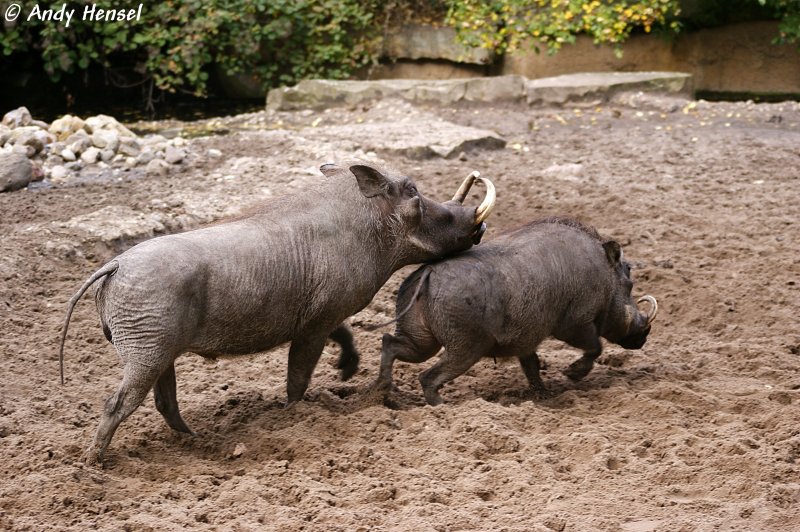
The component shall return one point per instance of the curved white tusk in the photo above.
(653, 304)
(463, 190)
(485, 208)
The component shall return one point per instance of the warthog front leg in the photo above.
(303, 357)
(588, 340)
(531, 366)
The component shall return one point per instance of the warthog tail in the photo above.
(108, 269)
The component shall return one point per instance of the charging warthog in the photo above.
(552, 277)
(292, 272)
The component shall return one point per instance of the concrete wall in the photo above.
(733, 58)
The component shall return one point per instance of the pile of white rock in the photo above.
(67, 146)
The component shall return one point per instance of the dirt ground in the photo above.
(697, 431)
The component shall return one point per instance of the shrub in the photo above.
(503, 25)
(176, 41)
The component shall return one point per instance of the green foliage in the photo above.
(176, 42)
(788, 12)
(504, 25)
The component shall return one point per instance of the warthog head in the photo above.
(625, 324)
(420, 228)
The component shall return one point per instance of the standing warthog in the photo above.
(292, 272)
(552, 277)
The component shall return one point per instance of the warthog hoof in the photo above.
(92, 457)
(579, 369)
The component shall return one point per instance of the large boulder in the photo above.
(604, 85)
(429, 137)
(318, 94)
(16, 171)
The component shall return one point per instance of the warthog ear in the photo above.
(371, 182)
(613, 251)
(329, 169)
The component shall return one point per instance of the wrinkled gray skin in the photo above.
(553, 277)
(292, 272)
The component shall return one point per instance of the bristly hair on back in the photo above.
(564, 220)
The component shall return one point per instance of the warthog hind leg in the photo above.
(349, 357)
(164, 392)
(137, 380)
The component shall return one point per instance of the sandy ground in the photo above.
(698, 431)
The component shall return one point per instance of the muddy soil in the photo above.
(697, 431)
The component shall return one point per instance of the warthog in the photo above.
(291, 272)
(552, 277)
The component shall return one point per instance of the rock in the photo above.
(22, 132)
(99, 122)
(16, 171)
(145, 156)
(435, 138)
(171, 132)
(106, 139)
(665, 103)
(68, 155)
(422, 41)
(80, 146)
(129, 146)
(40, 124)
(174, 155)
(114, 224)
(564, 172)
(157, 168)
(27, 151)
(17, 118)
(316, 93)
(37, 172)
(78, 142)
(53, 160)
(5, 134)
(56, 147)
(155, 142)
(44, 137)
(90, 155)
(106, 155)
(604, 85)
(238, 450)
(65, 126)
(494, 89)
(28, 138)
(214, 153)
(58, 174)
